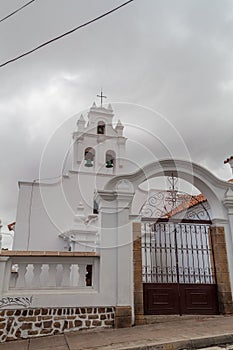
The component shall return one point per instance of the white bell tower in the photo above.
(98, 146)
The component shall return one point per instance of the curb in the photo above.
(193, 343)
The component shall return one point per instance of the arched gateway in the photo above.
(206, 286)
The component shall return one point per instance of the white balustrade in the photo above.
(48, 273)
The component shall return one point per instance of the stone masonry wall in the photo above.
(26, 323)
(222, 270)
(138, 286)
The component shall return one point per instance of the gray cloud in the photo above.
(174, 57)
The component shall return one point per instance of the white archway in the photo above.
(209, 185)
(116, 223)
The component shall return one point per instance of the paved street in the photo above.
(175, 333)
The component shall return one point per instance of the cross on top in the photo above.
(101, 96)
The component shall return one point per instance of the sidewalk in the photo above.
(182, 333)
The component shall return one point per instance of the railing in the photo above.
(37, 273)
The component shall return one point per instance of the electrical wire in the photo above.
(19, 9)
(65, 34)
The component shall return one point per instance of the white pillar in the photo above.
(116, 243)
(0, 235)
(228, 203)
(4, 274)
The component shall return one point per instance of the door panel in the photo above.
(183, 299)
(198, 299)
(160, 299)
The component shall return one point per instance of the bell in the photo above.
(109, 164)
(89, 163)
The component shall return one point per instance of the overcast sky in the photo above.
(165, 65)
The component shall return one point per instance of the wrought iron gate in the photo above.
(178, 267)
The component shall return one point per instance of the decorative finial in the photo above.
(101, 96)
(110, 107)
(119, 124)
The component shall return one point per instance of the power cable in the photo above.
(19, 9)
(66, 33)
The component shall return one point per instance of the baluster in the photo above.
(66, 275)
(22, 269)
(82, 275)
(52, 274)
(74, 275)
(36, 275)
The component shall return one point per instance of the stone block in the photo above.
(221, 267)
(137, 244)
(37, 312)
(46, 318)
(123, 322)
(226, 297)
(10, 312)
(139, 309)
(78, 323)
(123, 311)
(44, 311)
(70, 324)
(136, 227)
(27, 319)
(33, 332)
(57, 325)
(140, 320)
(223, 278)
(26, 326)
(93, 317)
(45, 331)
(71, 317)
(38, 324)
(138, 297)
(222, 287)
(47, 324)
(101, 310)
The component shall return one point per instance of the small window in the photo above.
(95, 208)
(110, 159)
(89, 156)
(89, 275)
(101, 128)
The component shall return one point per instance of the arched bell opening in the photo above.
(110, 159)
(101, 128)
(89, 156)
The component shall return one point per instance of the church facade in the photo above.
(87, 254)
